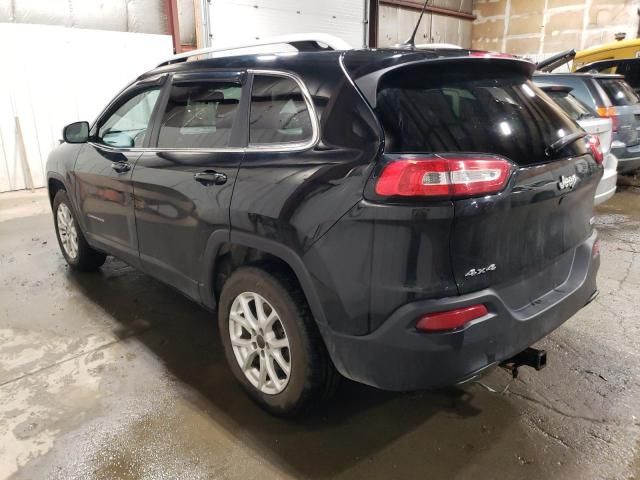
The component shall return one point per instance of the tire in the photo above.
(311, 377)
(82, 258)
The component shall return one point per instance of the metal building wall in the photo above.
(55, 78)
(139, 16)
(395, 24)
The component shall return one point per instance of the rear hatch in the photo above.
(626, 106)
(586, 117)
(488, 108)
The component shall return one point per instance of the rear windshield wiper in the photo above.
(559, 144)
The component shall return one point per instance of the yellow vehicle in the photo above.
(623, 49)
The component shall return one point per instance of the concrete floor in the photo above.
(113, 375)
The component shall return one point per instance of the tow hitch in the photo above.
(531, 357)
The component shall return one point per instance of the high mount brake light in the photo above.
(487, 54)
(443, 176)
(596, 150)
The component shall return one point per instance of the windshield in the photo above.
(619, 92)
(572, 106)
(495, 112)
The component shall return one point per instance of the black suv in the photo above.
(407, 218)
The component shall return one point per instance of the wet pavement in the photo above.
(114, 375)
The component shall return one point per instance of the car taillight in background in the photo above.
(594, 146)
(448, 176)
(610, 112)
(450, 319)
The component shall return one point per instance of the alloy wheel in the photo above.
(67, 230)
(260, 343)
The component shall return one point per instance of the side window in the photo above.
(199, 115)
(279, 113)
(127, 126)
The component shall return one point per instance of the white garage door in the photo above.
(240, 21)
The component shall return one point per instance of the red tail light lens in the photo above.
(451, 319)
(595, 250)
(596, 150)
(443, 176)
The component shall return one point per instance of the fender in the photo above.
(218, 238)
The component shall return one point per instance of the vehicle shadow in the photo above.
(343, 438)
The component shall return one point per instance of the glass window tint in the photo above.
(572, 106)
(618, 91)
(279, 113)
(127, 126)
(423, 111)
(199, 115)
(578, 84)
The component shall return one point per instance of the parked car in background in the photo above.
(618, 50)
(408, 218)
(629, 68)
(598, 127)
(611, 97)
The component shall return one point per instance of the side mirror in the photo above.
(77, 132)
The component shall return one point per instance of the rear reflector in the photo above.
(451, 319)
(595, 250)
(593, 142)
(443, 176)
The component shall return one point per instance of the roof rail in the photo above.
(301, 41)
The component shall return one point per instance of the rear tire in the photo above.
(286, 343)
(75, 249)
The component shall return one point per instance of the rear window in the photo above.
(454, 110)
(571, 105)
(618, 91)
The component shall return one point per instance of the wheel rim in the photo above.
(67, 231)
(260, 343)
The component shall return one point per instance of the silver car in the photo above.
(595, 126)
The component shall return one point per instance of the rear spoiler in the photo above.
(555, 88)
(554, 61)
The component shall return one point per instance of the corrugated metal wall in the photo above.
(58, 75)
(139, 16)
(396, 23)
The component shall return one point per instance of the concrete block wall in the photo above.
(539, 28)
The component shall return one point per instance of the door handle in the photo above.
(121, 167)
(210, 177)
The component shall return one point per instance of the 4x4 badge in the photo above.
(480, 271)
(567, 182)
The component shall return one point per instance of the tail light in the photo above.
(610, 112)
(596, 150)
(595, 250)
(450, 319)
(443, 176)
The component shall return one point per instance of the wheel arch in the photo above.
(215, 256)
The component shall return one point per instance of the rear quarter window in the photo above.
(426, 111)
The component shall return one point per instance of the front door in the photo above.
(183, 184)
(103, 173)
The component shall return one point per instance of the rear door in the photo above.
(183, 185)
(532, 227)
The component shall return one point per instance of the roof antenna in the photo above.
(411, 42)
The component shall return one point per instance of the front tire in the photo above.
(75, 249)
(272, 343)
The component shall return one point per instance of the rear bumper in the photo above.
(396, 357)
(607, 186)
